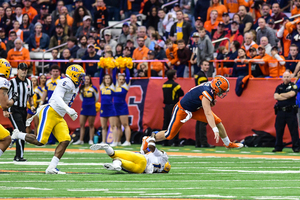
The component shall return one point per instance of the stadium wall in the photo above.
(252, 110)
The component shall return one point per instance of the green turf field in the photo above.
(208, 177)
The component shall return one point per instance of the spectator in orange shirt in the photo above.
(28, 9)
(141, 52)
(219, 7)
(285, 37)
(171, 53)
(18, 53)
(263, 60)
(296, 9)
(157, 66)
(212, 23)
(233, 6)
(64, 11)
(276, 69)
(248, 38)
(17, 29)
(38, 41)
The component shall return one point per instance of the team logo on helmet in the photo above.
(220, 85)
(76, 74)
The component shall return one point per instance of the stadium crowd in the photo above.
(180, 35)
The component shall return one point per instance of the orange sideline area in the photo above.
(252, 110)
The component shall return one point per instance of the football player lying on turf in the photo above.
(155, 161)
(196, 104)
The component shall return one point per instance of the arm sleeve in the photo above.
(127, 72)
(101, 75)
(114, 78)
(279, 33)
(280, 59)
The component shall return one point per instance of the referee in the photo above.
(23, 87)
(172, 91)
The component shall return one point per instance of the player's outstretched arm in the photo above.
(210, 118)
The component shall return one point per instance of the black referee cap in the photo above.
(22, 66)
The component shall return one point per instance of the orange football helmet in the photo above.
(220, 85)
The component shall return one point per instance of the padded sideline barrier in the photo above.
(253, 110)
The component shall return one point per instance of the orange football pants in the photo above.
(179, 114)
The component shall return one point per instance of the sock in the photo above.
(110, 151)
(54, 162)
(226, 140)
(22, 136)
(117, 163)
(1, 152)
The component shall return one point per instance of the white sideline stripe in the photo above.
(159, 194)
(260, 172)
(148, 181)
(23, 188)
(47, 163)
(277, 197)
(87, 190)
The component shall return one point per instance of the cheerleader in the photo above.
(108, 112)
(89, 97)
(121, 106)
(37, 97)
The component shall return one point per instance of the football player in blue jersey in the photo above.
(196, 104)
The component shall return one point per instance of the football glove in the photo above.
(72, 113)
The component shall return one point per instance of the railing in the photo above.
(249, 62)
(48, 50)
(291, 17)
(278, 21)
(217, 63)
(120, 22)
(222, 39)
(170, 3)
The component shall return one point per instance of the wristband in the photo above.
(148, 149)
(4, 109)
(215, 130)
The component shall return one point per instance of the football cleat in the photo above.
(14, 137)
(99, 146)
(110, 166)
(233, 145)
(52, 170)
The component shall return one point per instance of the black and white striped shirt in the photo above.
(24, 90)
